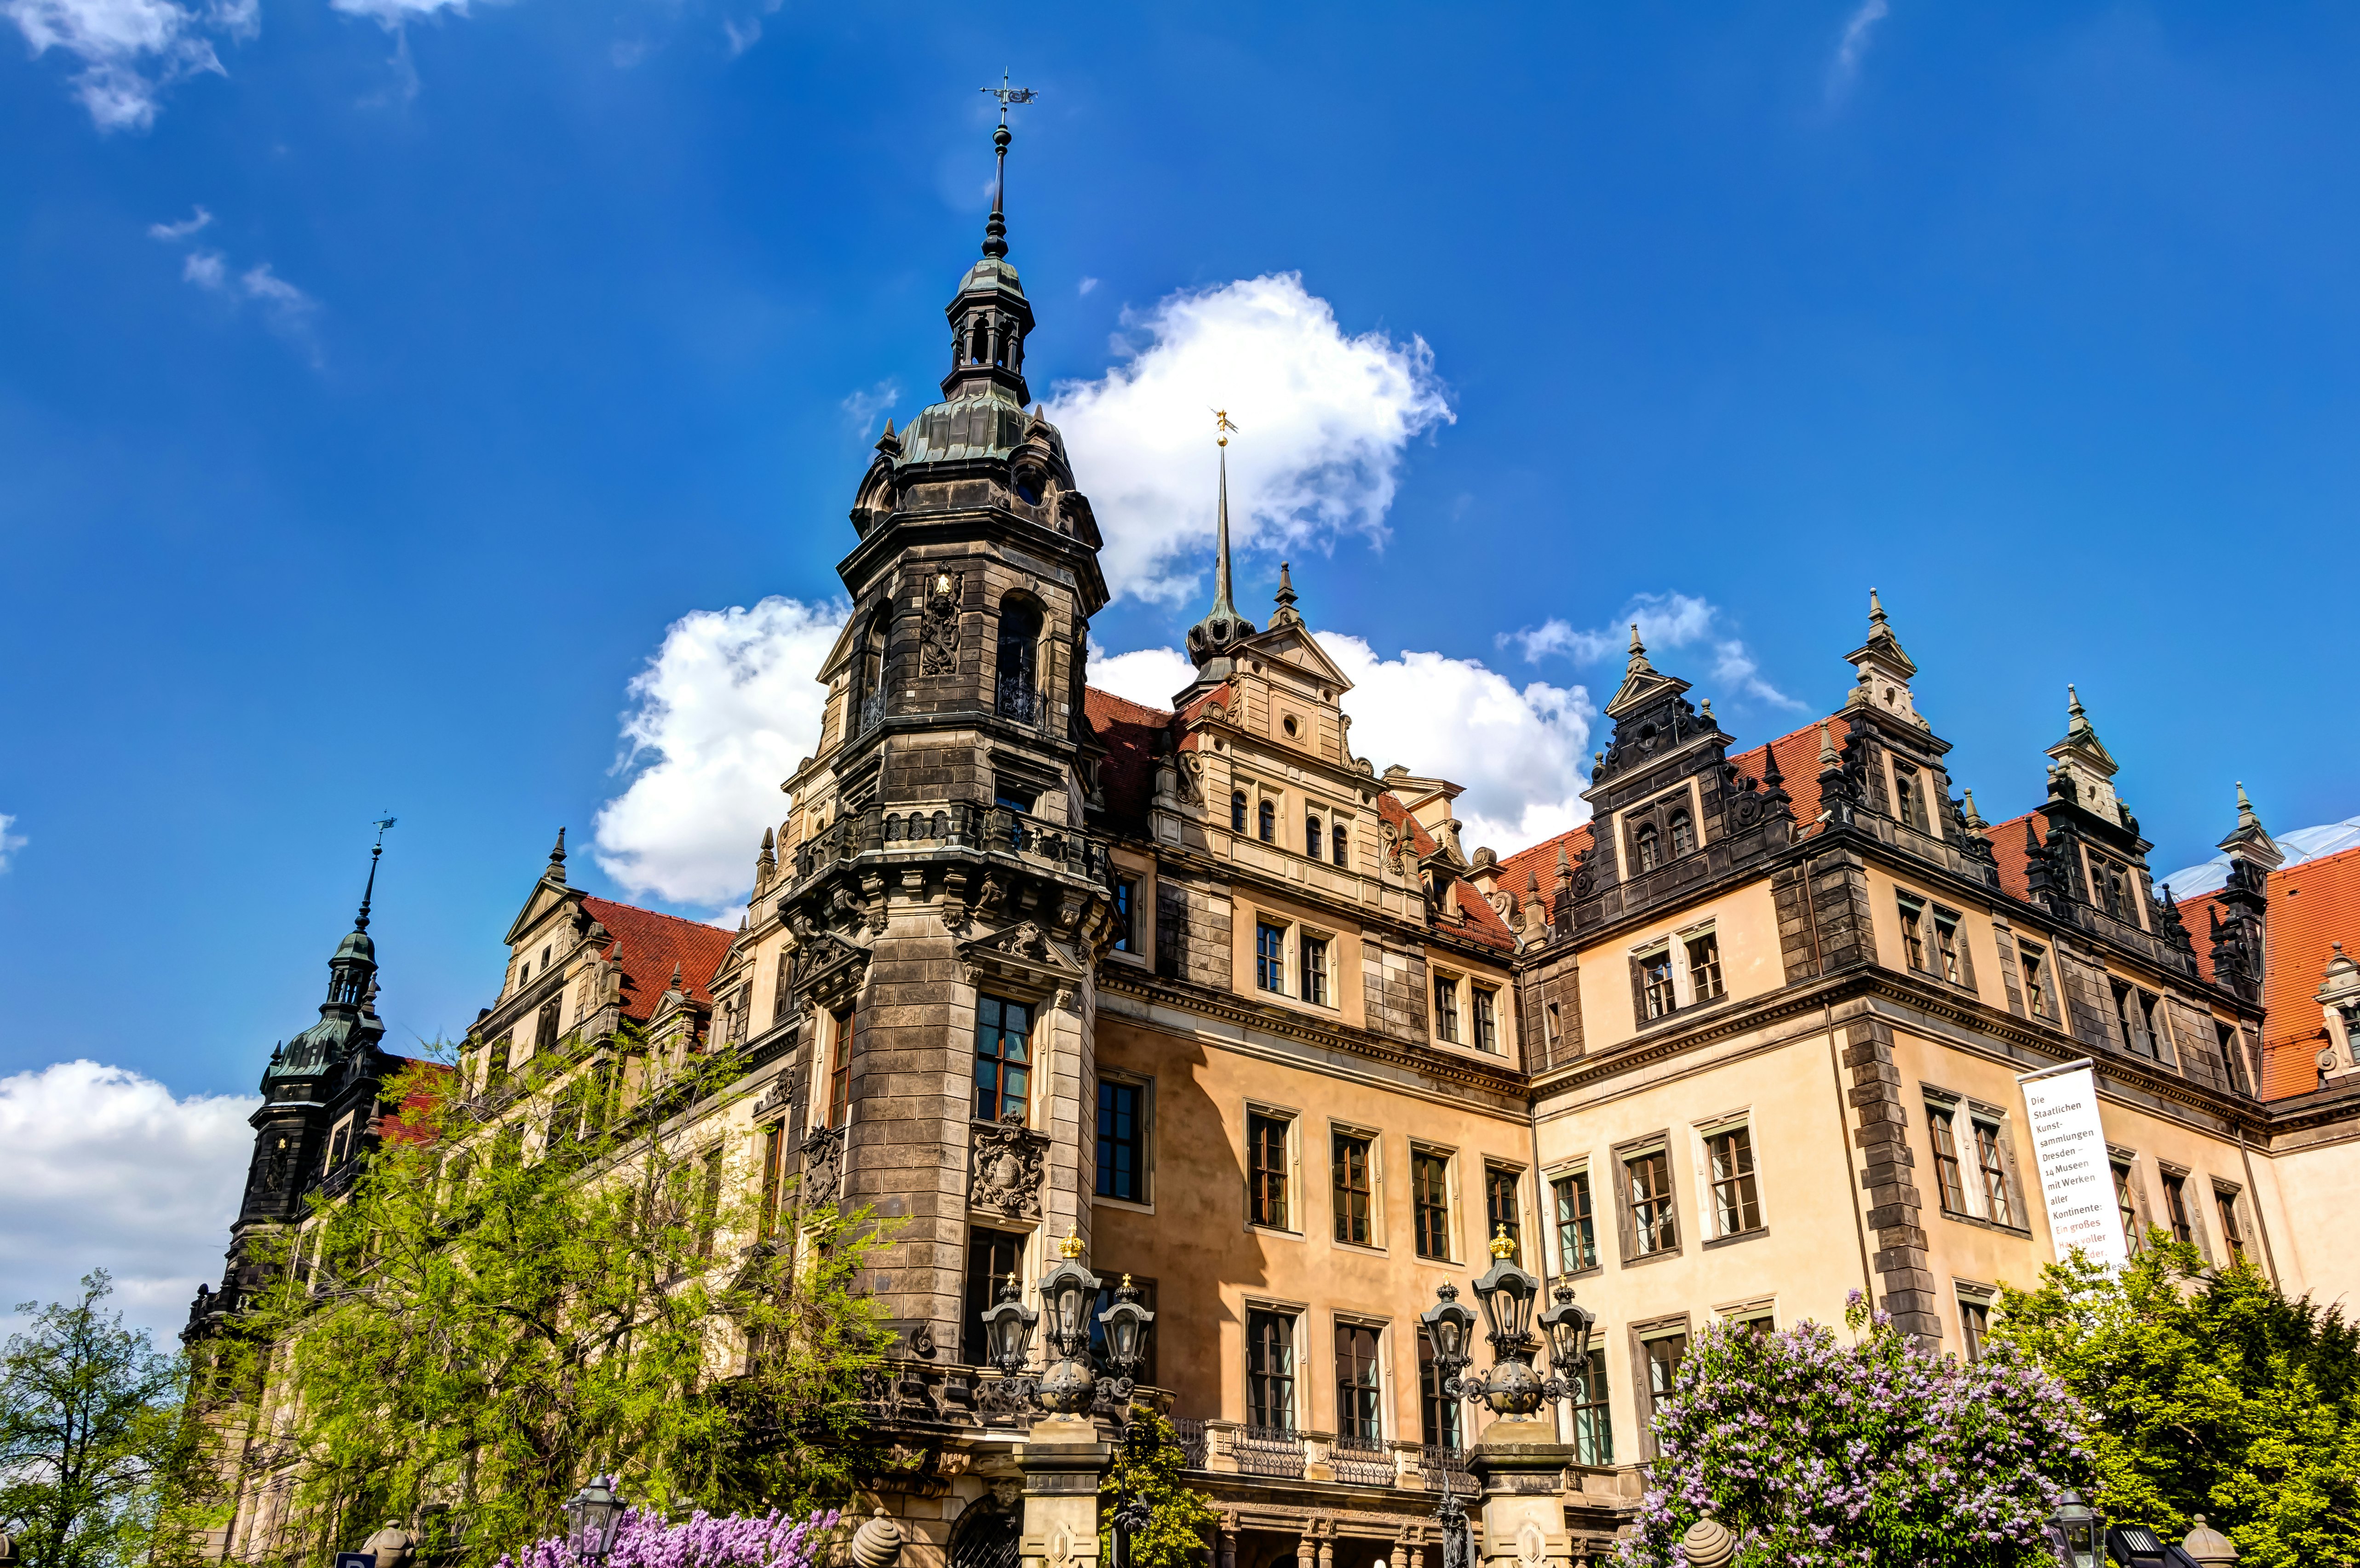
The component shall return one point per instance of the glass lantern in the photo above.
(1008, 1328)
(1066, 1292)
(1507, 1291)
(1567, 1328)
(1126, 1330)
(2078, 1530)
(592, 1517)
(1449, 1327)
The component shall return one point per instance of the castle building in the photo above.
(1207, 992)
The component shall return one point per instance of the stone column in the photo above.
(1061, 1462)
(1520, 1466)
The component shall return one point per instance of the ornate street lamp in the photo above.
(592, 1517)
(1068, 1385)
(2078, 1533)
(1008, 1329)
(1506, 1293)
(1125, 1326)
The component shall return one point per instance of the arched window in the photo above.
(1237, 811)
(1266, 822)
(1648, 849)
(976, 341)
(1311, 835)
(1020, 654)
(1338, 850)
(869, 676)
(1683, 836)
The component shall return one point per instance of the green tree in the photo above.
(2209, 1392)
(479, 1327)
(1148, 1467)
(88, 1419)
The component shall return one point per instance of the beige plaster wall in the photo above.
(1746, 919)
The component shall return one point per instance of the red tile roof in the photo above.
(2008, 854)
(2310, 907)
(1799, 765)
(1128, 730)
(1538, 864)
(1482, 922)
(648, 945)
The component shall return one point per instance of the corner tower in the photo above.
(943, 895)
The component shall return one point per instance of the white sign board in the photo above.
(2077, 1180)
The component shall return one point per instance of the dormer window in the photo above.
(1683, 834)
(1647, 847)
(1909, 799)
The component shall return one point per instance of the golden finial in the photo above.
(1502, 1245)
(1126, 1281)
(1222, 426)
(1014, 1280)
(1072, 1245)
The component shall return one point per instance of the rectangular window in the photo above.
(1654, 1226)
(1913, 932)
(1349, 1159)
(1315, 970)
(2158, 1029)
(1446, 1009)
(1003, 1059)
(1501, 1215)
(1438, 1415)
(2135, 1035)
(1122, 1140)
(1358, 1384)
(2175, 1207)
(1126, 914)
(1655, 975)
(1266, 1163)
(1975, 1322)
(2035, 981)
(1736, 1204)
(2232, 1235)
(1946, 947)
(1270, 956)
(774, 1174)
(1170, 929)
(1593, 1422)
(1429, 1181)
(1704, 966)
(1577, 1226)
(2127, 1205)
(991, 1257)
(1992, 1167)
(496, 1064)
(544, 1028)
(1660, 1358)
(839, 1070)
(708, 1201)
(1270, 1370)
(1487, 1019)
(1949, 1176)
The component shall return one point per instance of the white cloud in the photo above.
(1668, 623)
(172, 234)
(107, 1170)
(287, 311)
(1323, 419)
(392, 13)
(719, 718)
(10, 842)
(1852, 46)
(1520, 752)
(131, 50)
(743, 36)
(1087, 285)
(862, 408)
(206, 269)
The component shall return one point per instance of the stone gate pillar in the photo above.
(1062, 1461)
(1520, 1466)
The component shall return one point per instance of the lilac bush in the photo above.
(1816, 1454)
(647, 1540)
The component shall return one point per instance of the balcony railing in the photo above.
(1361, 1461)
(1270, 1451)
(1195, 1446)
(957, 824)
(1444, 1468)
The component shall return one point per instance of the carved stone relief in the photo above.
(1010, 1162)
(938, 642)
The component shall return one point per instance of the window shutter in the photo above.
(1170, 929)
(1638, 993)
(1966, 955)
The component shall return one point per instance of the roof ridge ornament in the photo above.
(995, 228)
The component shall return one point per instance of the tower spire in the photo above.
(995, 228)
(360, 921)
(1222, 624)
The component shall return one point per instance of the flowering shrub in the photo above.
(646, 1539)
(1880, 1452)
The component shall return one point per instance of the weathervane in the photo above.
(1222, 426)
(361, 921)
(995, 233)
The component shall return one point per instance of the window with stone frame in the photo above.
(1350, 1164)
(1703, 954)
(1311, 834)
(1338, 849)
(544, 1028)
(1991, 1164)
(1445, 1007)
(1646, 847)
(1441, 1421)
(496, 1064)
(1913, 932)
(992, 1257)
(1577, 1222)
(1974, 1320)
(1270, 1369)
(1017, 694)
(2110, 887)
(1909, 804)
(1268, 1156)
(1270, 956)
(839, 1069)
(1593, 1419)
(1736, 1193)
(1651, 1222)
(1122, 1140)
(2233, 1233)
(1429, 1184)
(1360, 1382)
(1003, 1059)
(1656, 997)
(1126, 914)
(1950, 1173)
(1312, 954)
(1661, 1351)
(1486, 1000)
(1170, 929)
(2034, 962)
(2159, 1026)
(2175, 1208)
(2126, 1204)
(1501, 1214)
(1266, 822)
(773, 1180)
(1237, 811)
(1683, 834)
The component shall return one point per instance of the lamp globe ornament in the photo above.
(2077, 1531)
(1507, 1293)
(1069, 1384)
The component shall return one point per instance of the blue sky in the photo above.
(511, 335)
